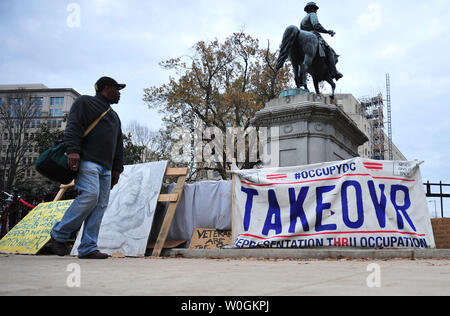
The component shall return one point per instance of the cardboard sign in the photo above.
(33, 232)
(441, 229)
(353, 203)
(208, 238)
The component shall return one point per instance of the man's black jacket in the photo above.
(104, 144)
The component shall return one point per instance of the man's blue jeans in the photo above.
(93, 183)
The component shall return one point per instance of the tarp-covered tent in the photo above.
(205, 204)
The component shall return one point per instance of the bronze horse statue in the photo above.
(303, 49)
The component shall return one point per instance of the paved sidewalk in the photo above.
(51, 275)
(316, 254)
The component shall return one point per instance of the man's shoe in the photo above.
(95, 255)
(58, 248)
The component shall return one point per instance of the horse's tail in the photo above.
(289, 38)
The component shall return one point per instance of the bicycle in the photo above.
(8, 203)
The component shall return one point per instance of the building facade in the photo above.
(23, 111)
(368, 114)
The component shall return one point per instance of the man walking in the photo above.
(98, 159)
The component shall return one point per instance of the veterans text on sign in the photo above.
(354, 203)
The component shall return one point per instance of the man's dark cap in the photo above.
(107, 81)
(311, 6)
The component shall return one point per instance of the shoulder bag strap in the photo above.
(93, 125)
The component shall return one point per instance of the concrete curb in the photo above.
(310, 254)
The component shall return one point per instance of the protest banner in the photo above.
(353, 203)
(33, 232)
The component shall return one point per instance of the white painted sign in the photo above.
(128, 219)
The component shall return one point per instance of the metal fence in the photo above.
(434, 194)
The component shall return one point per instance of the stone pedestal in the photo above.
(307, 129)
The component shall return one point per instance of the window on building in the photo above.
(14, 107)
(56, 101)
(15, 101)
(36, 101)
(56, 113)
(36, 107)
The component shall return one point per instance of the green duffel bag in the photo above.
(53, 165)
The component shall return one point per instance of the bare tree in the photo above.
(18, 115)
(142, 136)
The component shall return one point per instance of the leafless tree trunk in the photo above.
(142, 135)
(17, 113)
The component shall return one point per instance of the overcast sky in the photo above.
(41, 41)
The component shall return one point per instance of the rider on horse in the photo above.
(311, 24)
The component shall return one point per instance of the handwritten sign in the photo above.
(208, 238)
(33, 232)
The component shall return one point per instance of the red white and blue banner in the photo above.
(354, 203)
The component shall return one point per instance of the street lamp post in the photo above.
(435, 208)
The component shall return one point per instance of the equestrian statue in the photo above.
(309, 53)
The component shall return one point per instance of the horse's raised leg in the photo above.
(302, 79)
(306, 66)
(297, 75)
(316, 86)
(333, 87)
